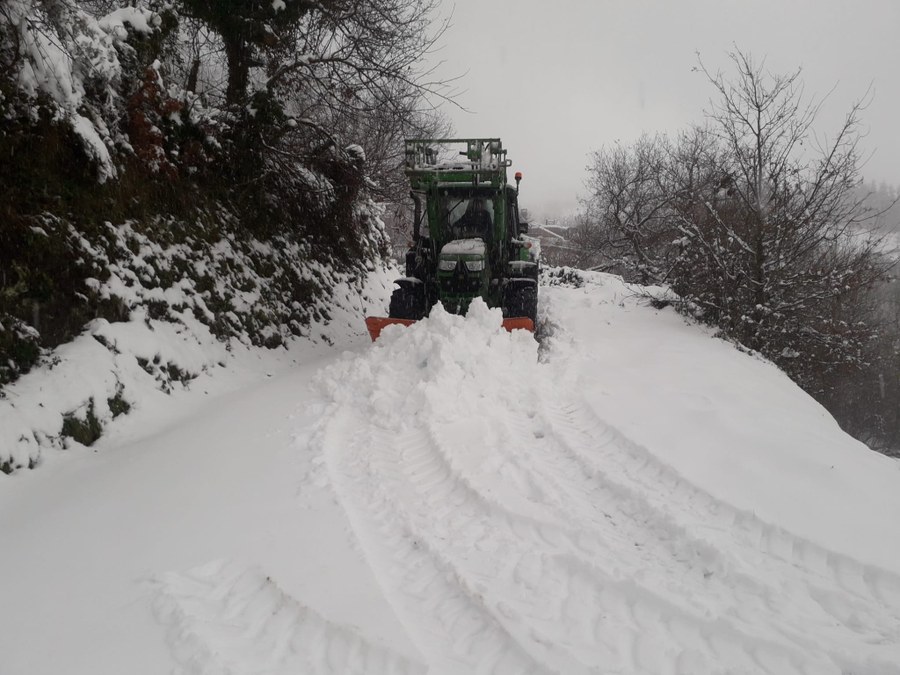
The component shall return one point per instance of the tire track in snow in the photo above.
(647, 475)
(649, 543)
(443, 615)
(646, 598)
(227, 618)
(525, 574)
(868, 600)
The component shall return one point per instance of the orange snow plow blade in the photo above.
(376, 324)
(517, 323)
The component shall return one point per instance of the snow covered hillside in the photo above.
(630, 496)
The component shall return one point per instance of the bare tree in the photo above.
(790, 232)
(629, 205)
(758, 224)
(355, 69)
(640, 197)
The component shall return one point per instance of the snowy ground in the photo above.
(633, 497)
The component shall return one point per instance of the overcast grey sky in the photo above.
(557, 79)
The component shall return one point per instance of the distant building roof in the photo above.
(549, 232)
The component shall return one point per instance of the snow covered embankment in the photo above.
(514, 529)
(184, 308)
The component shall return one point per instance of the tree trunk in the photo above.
(237, 50)
(193, 76)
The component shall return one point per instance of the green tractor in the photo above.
(468, 240)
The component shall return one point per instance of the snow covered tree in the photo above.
(262, 124)
(63, 62)
(246, 27)
(630, 204)
(758, 224)
(789, 230)
(353, 68)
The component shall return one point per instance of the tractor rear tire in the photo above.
(408, 302)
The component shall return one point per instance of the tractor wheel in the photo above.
(408, 302)
(520, 299)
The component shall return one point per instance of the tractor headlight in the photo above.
(446, 264)
(475, 265)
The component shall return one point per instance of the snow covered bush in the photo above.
(21, 343)
(63, 63)
(562, 276)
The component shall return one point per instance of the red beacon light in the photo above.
(518, 178)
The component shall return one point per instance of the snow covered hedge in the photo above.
(168, 301)
(147, 226)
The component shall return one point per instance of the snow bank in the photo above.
(109, 369)
(170, 334)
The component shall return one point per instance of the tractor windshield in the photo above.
(466, 216)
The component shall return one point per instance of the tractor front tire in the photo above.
(520, 299)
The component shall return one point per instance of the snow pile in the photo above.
(446, 366)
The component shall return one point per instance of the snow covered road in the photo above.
(513, 530)
(638, 497)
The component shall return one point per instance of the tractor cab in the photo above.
(468, 213)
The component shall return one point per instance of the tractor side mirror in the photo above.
(523, 227)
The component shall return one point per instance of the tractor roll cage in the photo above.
(431, 159)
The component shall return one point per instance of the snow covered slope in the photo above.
(633, 496)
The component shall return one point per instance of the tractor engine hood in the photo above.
(463, 256)
(463, 247)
